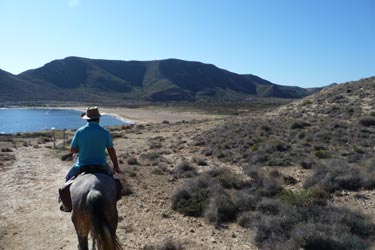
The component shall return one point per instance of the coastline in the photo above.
(131, 116)
(40, 119)
(154, 114)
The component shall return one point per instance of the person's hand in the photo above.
(116, 170)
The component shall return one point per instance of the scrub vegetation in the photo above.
(331, 134)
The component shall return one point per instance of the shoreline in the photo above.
(131, 116)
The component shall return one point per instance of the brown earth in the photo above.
(29, 214)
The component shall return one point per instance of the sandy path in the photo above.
(151, 114)
(30, 218)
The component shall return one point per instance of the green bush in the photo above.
(192, 198)
(306, 102)
(254, 148)
(304, 197)
(322, 154)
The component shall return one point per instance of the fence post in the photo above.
(54, 138)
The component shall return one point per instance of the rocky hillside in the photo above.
(15, 88)
(348, 101)
(305, 160)
(338, 122)
(83, 79)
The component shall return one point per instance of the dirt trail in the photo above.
(30, 218)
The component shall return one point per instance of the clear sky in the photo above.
(304, 43)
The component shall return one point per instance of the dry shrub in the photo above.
(322, 236)
(367, 121)
(150, 158)
(185, 170)
(269, 206)
(6, 150)
(220, 208)
(307, 164)
(192, 198)
(282, 220)
(200, 161)
(168, 244)
(226, 178)
(299, 125)
(308, 227)
(339, 175)
(245, 201)
(132, 161)
(7, 157)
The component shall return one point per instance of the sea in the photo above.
(18, 120)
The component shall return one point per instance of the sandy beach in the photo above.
(154, 114)
(150, 114)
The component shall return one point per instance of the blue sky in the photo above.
(291, 42)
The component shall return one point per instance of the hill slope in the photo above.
(320, 147)
(14, 88)
(163, 80)
(337, 123)
(269, 89)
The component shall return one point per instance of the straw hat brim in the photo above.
(85, 117)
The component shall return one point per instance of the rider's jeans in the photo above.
(75, 170)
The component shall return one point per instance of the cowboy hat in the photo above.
(91, 113)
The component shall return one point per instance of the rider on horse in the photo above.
(90, 143)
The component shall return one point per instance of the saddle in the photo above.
(64, 191)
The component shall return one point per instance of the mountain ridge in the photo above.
(158, 80)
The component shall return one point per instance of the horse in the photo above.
(94, 211)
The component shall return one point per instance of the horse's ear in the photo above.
(64, 195)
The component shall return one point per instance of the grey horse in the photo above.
(94, 210)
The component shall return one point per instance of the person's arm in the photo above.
(74, 152)
(113, 156)
(74, 144)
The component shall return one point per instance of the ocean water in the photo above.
(16, 120)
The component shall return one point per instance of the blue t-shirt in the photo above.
(91, 141)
